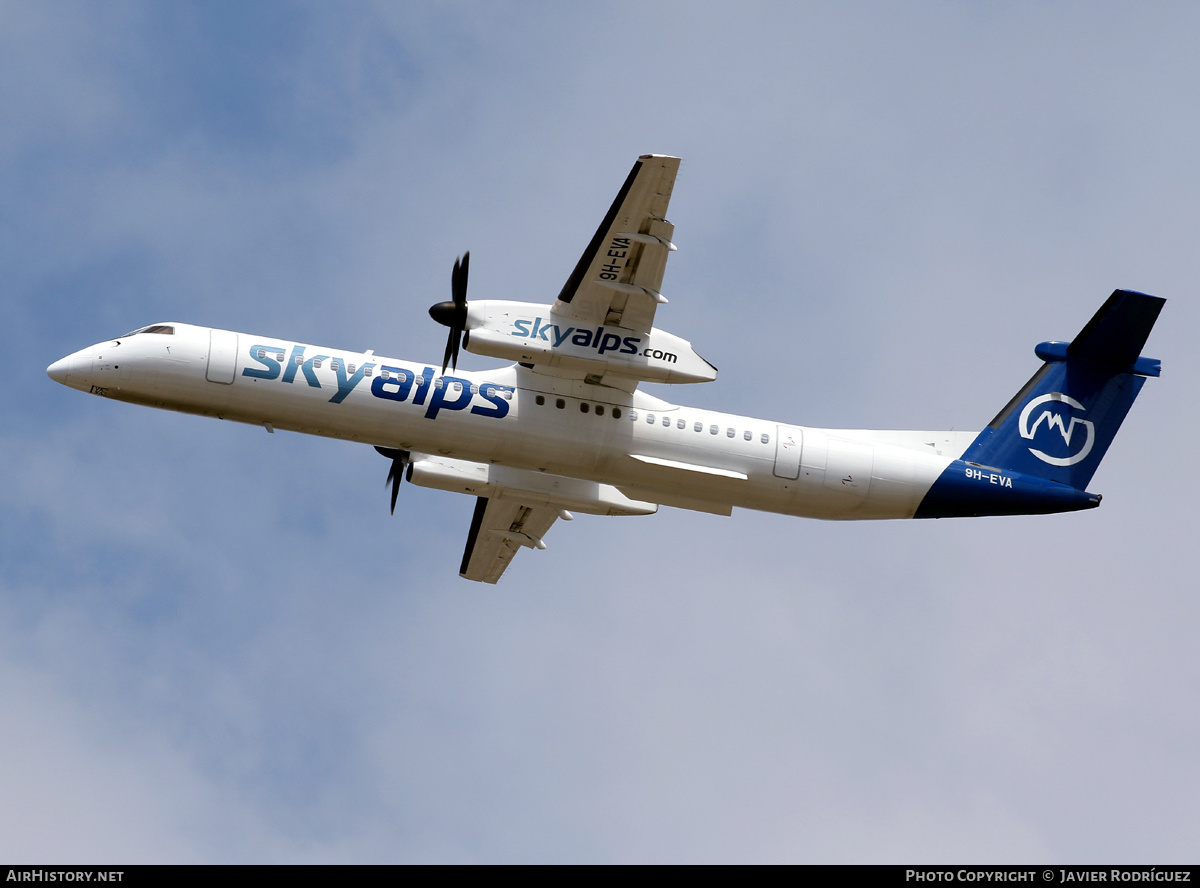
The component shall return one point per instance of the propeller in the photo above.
(453, 314)
(400, 461)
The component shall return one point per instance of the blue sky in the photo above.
(217, 645)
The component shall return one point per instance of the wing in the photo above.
(498, 529)
(619, 276)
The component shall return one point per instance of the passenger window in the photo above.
(333, 365)
(262, 353)
(350, 368)
(317, 363)
(299, 360)
(747, 435)
(583, 407)
(666, 422)
(712, 430)
(699, 426)
(766, 439)
(633, 416)
(560, 403)
(540, 400)
(474, 389)
(681, 424)
(367, 370)
(616, 413)
(599, 409)
(650, 418)
(441, 383)
(729, 433)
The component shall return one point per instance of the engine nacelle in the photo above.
(534, 334)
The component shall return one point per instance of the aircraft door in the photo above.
(222, 356)
(789, 442)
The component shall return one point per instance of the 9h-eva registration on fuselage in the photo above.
(566, 428)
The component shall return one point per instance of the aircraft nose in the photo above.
(58, 370)
(74, 370)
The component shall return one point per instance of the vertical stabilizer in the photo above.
(1049, 439)
(1060, 424)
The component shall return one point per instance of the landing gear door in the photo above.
(789, 442)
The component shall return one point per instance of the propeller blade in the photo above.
(398, 477)
(458, 280)
(453, 314)
(451, 350)
(400, 460)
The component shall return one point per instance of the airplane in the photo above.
(566, 427)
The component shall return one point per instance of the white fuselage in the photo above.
(651, 450)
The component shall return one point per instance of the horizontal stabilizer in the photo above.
(1117, 332)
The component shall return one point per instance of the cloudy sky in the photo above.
(217, 645)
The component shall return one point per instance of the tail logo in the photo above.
(1064, 422)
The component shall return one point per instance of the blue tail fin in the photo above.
(1060, 424)
(1042, 449)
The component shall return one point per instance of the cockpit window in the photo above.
(156, 328)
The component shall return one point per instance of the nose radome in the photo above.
(74, 370)
(58, 370)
